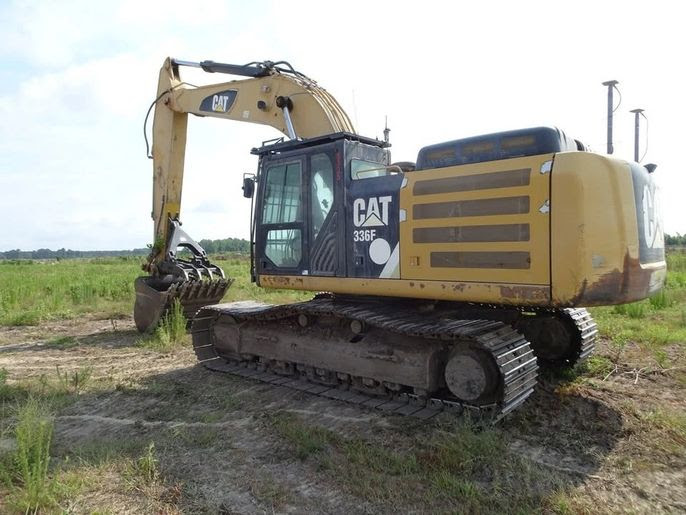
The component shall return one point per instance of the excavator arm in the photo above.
(272, 94)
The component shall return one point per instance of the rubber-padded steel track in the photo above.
(511, 352)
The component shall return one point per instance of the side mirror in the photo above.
(248, 187)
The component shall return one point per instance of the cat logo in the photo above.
(651, 219)
(372, 212)
(220, 103)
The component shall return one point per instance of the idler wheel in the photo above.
(472, 376)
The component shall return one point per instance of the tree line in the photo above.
(679, 239)
(210, 246)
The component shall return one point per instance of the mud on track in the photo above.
(231, 445)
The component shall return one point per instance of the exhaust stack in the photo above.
(611, 86)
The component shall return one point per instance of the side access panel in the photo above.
(480, 223)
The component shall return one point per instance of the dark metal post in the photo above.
(611, 84)
(637, 113)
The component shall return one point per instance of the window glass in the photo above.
(282, 198)
(360, 169)
(284, 247)
(321, 187)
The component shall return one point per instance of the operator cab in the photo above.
(320, 203)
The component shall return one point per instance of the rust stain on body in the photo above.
(617, 286)
(525, 293)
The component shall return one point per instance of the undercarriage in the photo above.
(393, 355)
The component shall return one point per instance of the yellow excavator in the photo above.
(447, 281)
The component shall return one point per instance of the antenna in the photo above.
(386, 132)
(637, 124)
(611, 86)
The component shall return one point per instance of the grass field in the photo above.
(95, 418)
(32, 292)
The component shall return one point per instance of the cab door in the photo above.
(325, 210)
(281, 234)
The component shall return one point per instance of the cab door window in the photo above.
(283, 204)
(321, 190)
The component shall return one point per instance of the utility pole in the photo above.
(637, 113)
(611, 86)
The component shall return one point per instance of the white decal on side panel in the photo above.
(372, 212)
(651, 217)
(379, 251)
(392, 268)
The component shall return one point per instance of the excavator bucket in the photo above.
(154, 298)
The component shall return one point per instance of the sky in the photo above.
(78, 77)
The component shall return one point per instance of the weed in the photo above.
(143, 471)
(76, 381)
(633, 310)
(660, 300)
(271, 493)
(378, 459)
(599, 366)
(306, 440)
(674, 422)
(446, 484)
(4, 388)
(33, 433)
(63, 341)
(661, 357)
(198, 437)
(171, 331)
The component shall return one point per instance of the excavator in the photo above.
(439, 285)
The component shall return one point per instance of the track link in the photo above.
(514, 358)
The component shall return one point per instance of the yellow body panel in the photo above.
(416, 257)
(595, 247)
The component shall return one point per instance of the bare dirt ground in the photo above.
(584, 443)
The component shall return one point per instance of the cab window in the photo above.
(321, 187)
(360, 169)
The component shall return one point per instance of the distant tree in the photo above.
(679, 239)
(210, 246)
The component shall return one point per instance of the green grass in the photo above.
(4, 387)
(170, 333)
(654, 322)
(143, 471)
(243, 289)
(63, 341)
(31, 489)
(32, 292)
(463, 468)
(306, 440)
